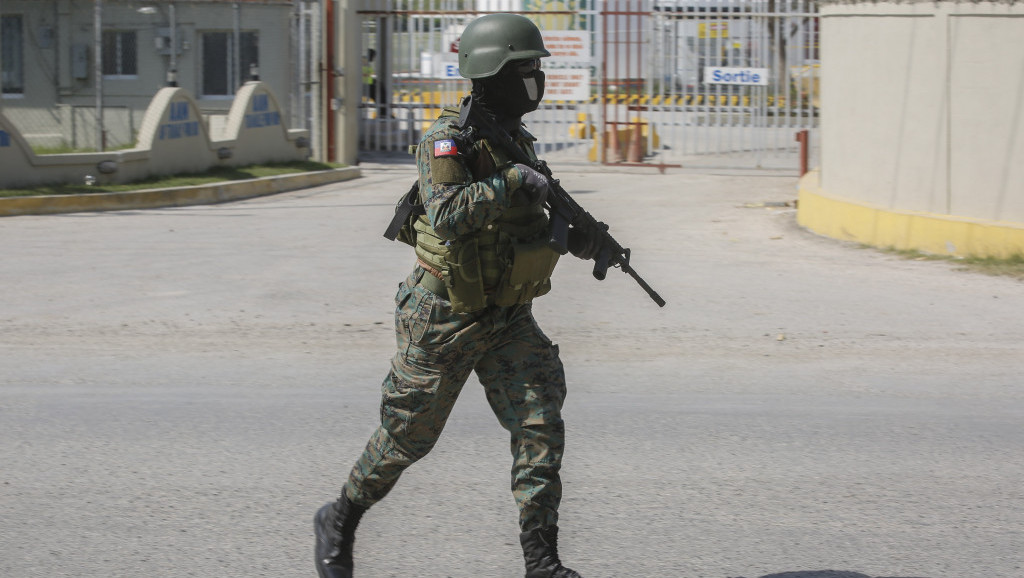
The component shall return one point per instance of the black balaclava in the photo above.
(509, 95)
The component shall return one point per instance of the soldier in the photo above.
(482, 257)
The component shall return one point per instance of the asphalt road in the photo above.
(182, 388)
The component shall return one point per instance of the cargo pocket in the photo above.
(407, 407)
(420, 314)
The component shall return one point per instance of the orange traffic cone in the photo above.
(635, 152)
(612, 152)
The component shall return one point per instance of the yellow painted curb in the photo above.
(174, 197)
(887, 228)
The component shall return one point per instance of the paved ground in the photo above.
(182, 388)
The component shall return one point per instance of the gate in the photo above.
(728, 82)
(711, 83)
(410, 70)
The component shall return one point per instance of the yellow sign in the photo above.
(712, 29)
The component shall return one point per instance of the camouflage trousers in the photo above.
(522, 376)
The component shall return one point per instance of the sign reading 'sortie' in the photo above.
(744, 76)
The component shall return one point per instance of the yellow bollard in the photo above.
(582, 129)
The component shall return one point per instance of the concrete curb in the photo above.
(174, 197)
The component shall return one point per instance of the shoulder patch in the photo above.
(445, 148)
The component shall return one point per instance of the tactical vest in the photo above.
(507, 263)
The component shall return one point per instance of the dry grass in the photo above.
(1009, 267)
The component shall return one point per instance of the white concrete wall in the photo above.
(923, 106)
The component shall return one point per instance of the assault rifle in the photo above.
(564, 211)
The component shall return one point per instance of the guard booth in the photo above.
(696, 83)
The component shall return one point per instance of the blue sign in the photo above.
(742, 76)
(179, 111)
(179, 126)
(261, 114)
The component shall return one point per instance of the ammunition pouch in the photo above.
(461, 263)
(464, 277)
(529, 276)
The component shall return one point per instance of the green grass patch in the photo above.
(1012, 267)
(60, 150)
(1007, 267)
(215, 175)
(68, 149)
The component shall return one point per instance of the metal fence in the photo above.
(410, 59)
(665, 82)
(630, 81)
(79, 76)
(731, 82)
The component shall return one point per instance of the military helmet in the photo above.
(491, 41)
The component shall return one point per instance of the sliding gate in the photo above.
(711, 83)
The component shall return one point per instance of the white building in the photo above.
(60, 78)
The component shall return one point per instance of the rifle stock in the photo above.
(564, 211)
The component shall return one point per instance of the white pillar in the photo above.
(348, 80)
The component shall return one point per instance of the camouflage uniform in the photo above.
(516, 363)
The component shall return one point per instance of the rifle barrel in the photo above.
(643, 284)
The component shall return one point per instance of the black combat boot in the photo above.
(335, 529)
(540, 548)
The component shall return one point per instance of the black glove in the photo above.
(534, 190)
(585, 243)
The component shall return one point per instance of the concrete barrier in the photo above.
(921, 125)
(174, 138)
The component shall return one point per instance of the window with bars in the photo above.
(120, 53)
(223, 70)
(12, 61)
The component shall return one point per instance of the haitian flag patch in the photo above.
(445, 148)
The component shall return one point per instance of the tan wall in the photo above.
(173, 139)
(923, 106)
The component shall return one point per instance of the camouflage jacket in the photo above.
(460, 199)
